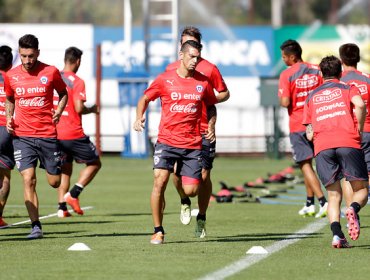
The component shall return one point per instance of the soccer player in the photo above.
(350, 56)
(295, 84)
(74, 143)
(6, 146)
(31, 118)
(208, 148)
(329, 115)
(182, 92)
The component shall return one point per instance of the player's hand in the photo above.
(95, 109)
(139, 124)
(10, 125)
(211, 135)
(56, 116)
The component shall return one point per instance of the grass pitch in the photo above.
(119, 226)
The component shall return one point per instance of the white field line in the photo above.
(42, 218)
(250, 260)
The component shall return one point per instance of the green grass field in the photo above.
(119, 226)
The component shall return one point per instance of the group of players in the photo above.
(327, 106)
(40, 121)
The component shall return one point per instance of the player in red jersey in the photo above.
(295, 84)
(208, 148)
(182, 92)
(31, 118)
(6, 143)
(74, 143)
(350, 56)
(329, 114)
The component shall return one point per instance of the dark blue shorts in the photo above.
(365, 145)
(6, 149)
(208, 153)
(28, 150)
(81, 150)
(334, 164)
(302, 148)
(188, 160)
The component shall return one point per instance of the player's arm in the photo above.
(284, 91)
(212, 117)
(63, 99)
(9, 111)
(141, 107)
(81, 109)
(360, 111)
(223, 96)
(284, 101)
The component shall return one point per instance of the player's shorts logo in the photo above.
(156, 160)
(44, 80)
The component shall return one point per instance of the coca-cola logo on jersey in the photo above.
(182, 108)
(32, 102)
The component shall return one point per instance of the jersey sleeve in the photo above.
(217, 80)
(59, 84)
(7, 88)
(154, 90)
(284, 86)
(79, 90)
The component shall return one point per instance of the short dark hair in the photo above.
(292, 47)
(28, 41)
(349, 54)
(331, 67)
(6, 58)
(191, 31)
(72, 54)
(191, 43)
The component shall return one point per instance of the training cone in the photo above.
(257, 250)
(79, 247)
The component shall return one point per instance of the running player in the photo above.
(6, 145)
(329, 115)
(182, 92)
(31, 117)
(295, 84)
(350, 56)
(208, 148)
(74, 143)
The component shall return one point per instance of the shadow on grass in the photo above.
(23, 236)
(136, 214)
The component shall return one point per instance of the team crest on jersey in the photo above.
(44, 80)
(199, 88)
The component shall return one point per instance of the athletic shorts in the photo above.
(81, 150)
(334, 164)
(208, 153)
(6, 149)
(302, 148)
(365, 145)
(28, 150)
(189, 160)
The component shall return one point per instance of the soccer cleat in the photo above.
(185, 214)
(323, 211)
(36, 233)
(157, 238)
(2, 222)
(63, 213)
(340, 242)
(307, 211)
(200, 229)
(74, 203)
(353, 224)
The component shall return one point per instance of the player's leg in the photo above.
(4, 192)
(67, 169)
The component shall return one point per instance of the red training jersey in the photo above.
(297, 82)
(33, 93)
(69, 126)
(213, 74)
(362, 82)
(330, 111)
(181, 100)
(2, 100)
